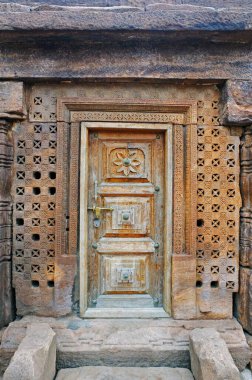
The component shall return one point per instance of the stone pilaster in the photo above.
(244, 298)
(11, 109)
(237, 111)
(6, 159)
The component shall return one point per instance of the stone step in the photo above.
(161, 342)
(124, 373)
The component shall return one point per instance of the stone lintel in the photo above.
(157, 17)
(66, 59)
(236, 104)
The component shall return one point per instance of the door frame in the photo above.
(168, 210)
(183, 116)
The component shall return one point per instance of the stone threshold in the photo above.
(126, 373)
(160, 342)
(116, 313)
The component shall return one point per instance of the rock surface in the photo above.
(210, 358)
(237, 103)
(35, 358)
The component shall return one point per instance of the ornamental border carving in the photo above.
(149, 110)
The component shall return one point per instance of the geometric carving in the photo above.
(218, 212)
(34, 216)
(131, 215)
(6, 160)
(127, 275)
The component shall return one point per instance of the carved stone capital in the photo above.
(236, 103)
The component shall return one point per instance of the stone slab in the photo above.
(236, 104)
(180, 60)
(127, 342)
(210, 358)
(154, 18)
(126, 373)
(143, 3)
(35, 358)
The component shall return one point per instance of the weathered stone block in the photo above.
(236, 104)
(11, 99)
(35, 358)
(183, 287)
(6, 307)
(244, 299)
(210, 358)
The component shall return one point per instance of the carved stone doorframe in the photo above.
(180, 297)
(86, 127)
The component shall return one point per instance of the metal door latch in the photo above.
(97, 210)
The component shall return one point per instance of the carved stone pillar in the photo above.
(245, 295)
(237, 111)
(6, 159)
(11, 109)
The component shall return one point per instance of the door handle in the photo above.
(97, 210)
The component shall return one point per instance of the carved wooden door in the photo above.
(125, 202)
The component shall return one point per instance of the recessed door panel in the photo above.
(131, 216)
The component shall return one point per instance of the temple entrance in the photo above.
(125, 214)
(125, 242)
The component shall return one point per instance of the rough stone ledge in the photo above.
(120, 342)
(156, 19)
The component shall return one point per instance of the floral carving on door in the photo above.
(127, 162)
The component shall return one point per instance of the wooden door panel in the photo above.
(125, 245)
(126, 161)
(125, 274)
(131, 216)
(126, 180)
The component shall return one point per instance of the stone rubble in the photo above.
(210, 358)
